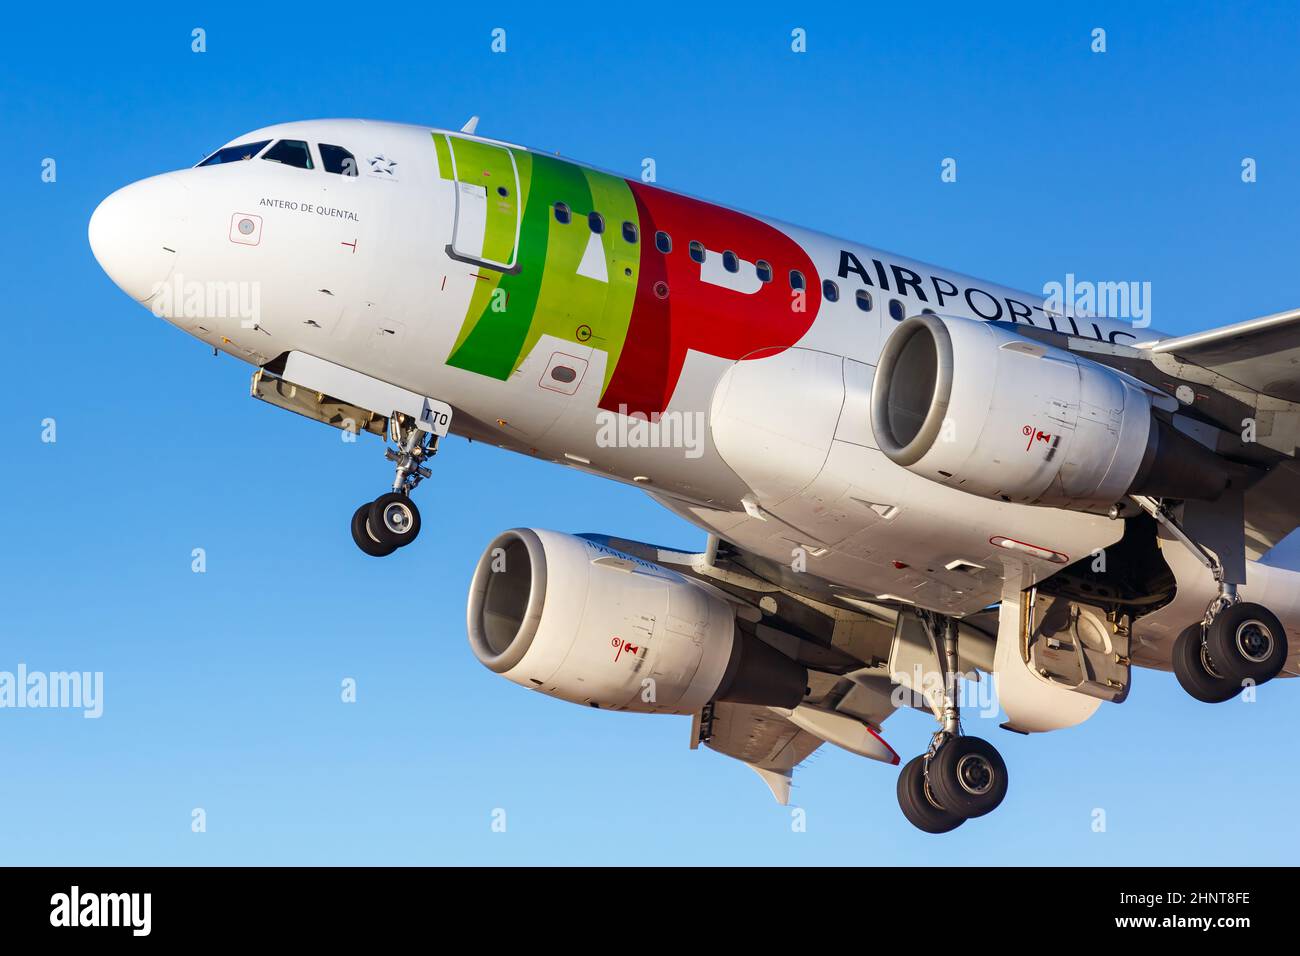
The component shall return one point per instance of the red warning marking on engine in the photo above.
(622, 646)
(1035, 435)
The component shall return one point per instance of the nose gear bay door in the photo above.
(486, 228)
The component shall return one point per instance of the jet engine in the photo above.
(577, 620)
(975, 406)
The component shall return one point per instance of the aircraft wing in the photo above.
(845, 646)
(772, 745)
(765, 741)
(1271, 508)
(1248, 374)
(1262, 354)
(1243, 379)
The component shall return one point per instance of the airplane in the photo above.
(908, 479)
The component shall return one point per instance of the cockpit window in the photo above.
(336, 159)
(234, 154)
(290, 152)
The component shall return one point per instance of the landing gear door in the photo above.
(1075, 646)
(486, 227)
(916, 660)
(1056, 660)
(914, 664)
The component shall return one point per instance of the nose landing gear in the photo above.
(392, 520)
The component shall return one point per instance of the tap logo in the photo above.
(599, 249)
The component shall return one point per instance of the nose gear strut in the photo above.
(392, 520)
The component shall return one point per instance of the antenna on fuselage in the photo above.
(470, 126)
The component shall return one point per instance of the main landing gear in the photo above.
(959, 777)
(392, 520)
(1236, 644)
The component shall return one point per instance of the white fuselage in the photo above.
(772, 451)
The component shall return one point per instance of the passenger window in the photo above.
(290, 152)
(596, 221)
(864, 300)
(235, 154)
(796, 279)
(663, 242)
(896, 310)
(830, 291)
(697, 251)
(764, 270)
(629, 232)
(336, 159)
(562, 215)
(730, 262)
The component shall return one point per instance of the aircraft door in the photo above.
(487, 218)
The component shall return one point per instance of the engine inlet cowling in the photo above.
(973, 405)
(581, 621)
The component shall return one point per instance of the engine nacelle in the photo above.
(975, 406)
(580, 621)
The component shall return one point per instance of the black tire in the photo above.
(1246, 642)
(968, 777)
(1192, 673)
(364, 539)
(394, 519)
(920, 810)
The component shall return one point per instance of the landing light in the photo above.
(1031, 549)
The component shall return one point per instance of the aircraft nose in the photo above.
(134, 234)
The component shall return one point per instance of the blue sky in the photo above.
(222, 689)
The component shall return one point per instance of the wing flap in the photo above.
(768, 743)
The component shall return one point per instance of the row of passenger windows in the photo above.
(289, 152)
(897, 311)
(731, 262)
(664, 243)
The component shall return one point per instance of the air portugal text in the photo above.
(938, 293)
